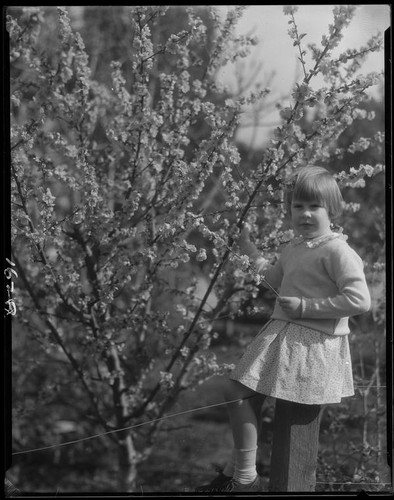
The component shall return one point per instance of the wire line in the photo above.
(130, 427)
(192, 410)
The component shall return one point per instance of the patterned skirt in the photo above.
(295, 363)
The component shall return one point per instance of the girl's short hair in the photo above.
(314, 184)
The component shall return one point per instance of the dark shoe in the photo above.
(218, 482)
(232, 486)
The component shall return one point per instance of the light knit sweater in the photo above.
(328, 278)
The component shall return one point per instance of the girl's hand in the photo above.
(291, 306)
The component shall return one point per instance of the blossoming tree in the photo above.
(105, 231)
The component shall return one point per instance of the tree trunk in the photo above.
(127, 463)
(127, 455)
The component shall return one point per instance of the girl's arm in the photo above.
(247, 247)
(273, 273)
(345, 267)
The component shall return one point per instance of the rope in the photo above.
(192, 410)
(131, 427)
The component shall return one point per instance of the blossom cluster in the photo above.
(355, 177)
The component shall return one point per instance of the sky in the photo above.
(275, 53)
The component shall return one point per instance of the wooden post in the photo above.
(295, 446)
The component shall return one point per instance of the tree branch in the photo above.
(57, 336)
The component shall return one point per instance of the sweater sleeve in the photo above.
(272, 273)
(345, 267)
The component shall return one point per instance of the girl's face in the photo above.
(309, 218)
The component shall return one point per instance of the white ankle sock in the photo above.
(245, 466)
(230, 466)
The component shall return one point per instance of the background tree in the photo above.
(128, 188)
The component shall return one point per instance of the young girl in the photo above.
(302, 353)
